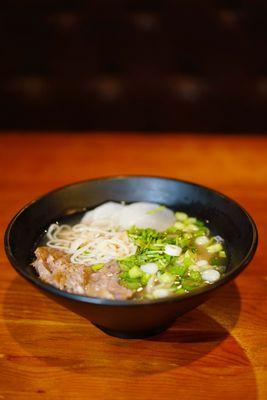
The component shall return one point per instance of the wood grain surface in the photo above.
(218, 351)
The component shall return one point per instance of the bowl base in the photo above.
(135, 334)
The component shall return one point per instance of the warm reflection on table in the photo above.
(216, 351)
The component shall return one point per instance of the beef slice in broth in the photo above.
(54, 267)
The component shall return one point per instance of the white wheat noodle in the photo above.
(90, 245)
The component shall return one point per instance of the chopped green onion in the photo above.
(145, 278)
(179, 225)
(190, 228)
(167, 278)
(132, 284)
(135, 272)
(177, 269)
(214, 248)
(180, 291)
(97, 267)
(181, 216)
(200, 224)
(195, 275)
(189, 284)
(191, 221)
(156, 210)
(188, 262)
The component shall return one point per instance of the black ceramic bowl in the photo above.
(129, 318)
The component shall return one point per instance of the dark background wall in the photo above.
(133, 65)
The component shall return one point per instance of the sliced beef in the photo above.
(105, 282)
(54, 267)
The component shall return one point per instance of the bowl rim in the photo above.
(128, 303)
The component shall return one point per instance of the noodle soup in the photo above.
(137, 251)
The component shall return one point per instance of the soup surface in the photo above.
(136, 251)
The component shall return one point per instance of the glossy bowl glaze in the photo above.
(130, 318)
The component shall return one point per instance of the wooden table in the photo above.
(218, 351)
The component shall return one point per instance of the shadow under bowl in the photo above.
(132, 319)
